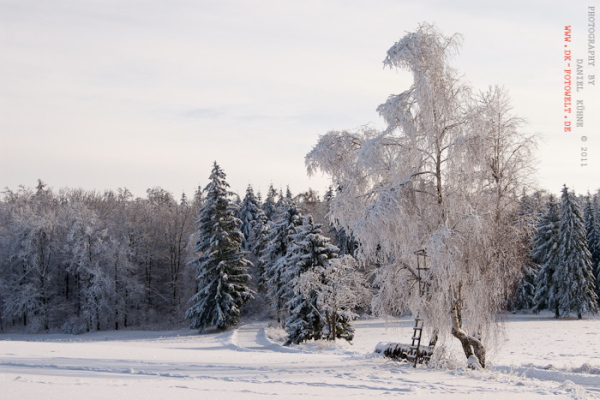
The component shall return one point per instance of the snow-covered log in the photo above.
(401, 351)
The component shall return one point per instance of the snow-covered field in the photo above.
(539, 357)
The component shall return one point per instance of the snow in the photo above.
(538, 356)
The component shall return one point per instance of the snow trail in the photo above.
(252, 337)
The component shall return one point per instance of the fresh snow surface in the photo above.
(537, 357)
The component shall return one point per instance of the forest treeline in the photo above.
(562, 270)
(75, 261)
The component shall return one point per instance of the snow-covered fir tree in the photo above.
(310, 251)
(221, 265)
(277, 240)
(339, 288)
(574, 273)
(288, 194)
(198, 198)
(254, 227)
(270, 204)
(525, 292)
(596, 201)
(527, 219)
(283, 199)
(545, 254)
(329, 195)
(260, 234)
(252, 217)
(592, 227)
(343, 241)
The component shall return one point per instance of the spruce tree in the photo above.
(527, 218)
(260, 233)
(281, 200)
(289, 197)
(277, 240)
(329, 195)
(251, 215)
(592, 228)
(596, 201)
(574, 274)
(525, 293)
(310, 251)
(545, 255)
(339, 288)
(270, 204)
(221, 265)
(254, 229)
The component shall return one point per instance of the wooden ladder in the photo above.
(414, 352)
(415, 355)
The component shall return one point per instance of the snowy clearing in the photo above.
(540, 356)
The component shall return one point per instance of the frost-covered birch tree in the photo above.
(419, 184)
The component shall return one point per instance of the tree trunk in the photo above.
(331, 320)
(434, 339)
(334, 326)
(471, 345)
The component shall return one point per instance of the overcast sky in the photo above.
(138, 94)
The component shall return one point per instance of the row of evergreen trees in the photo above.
(564, 272)
(311, 290)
